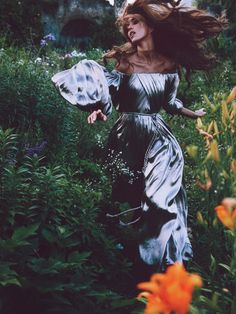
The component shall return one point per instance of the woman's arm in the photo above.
(192, 114)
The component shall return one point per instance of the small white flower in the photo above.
(38, 60)
(21, 62)
(74, 53)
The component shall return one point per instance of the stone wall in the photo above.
(74, 20)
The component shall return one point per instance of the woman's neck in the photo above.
(146, 45)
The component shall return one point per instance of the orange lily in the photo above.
(233, 165)
(232, 95)
(226, 212)
(208, 182)
(171, 291)
(206, 134)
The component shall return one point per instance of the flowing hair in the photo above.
(179, 33)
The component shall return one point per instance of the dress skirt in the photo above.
(147, 164)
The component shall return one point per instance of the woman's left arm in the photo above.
(192, 114)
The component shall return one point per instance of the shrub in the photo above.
(52, 247)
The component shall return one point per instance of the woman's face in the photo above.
(136, 28)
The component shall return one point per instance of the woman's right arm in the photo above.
(96, 115)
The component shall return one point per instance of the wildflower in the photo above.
(226, 212)
(20, 62)
(216, 129)
(214, 151)
(36, 150)
(171, 291)
(38, 60)
(232, 95)
(192, 150)
(207, 185)
(212, 106)
(205, 134)
(200, 217)
(67, 56)
(225, 117)
(43, 43)
(233, 165)
(74, 53)
(46, 39)
(49, 37)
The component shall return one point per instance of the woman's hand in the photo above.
(192, 114)
(200, 113)
(96, 115)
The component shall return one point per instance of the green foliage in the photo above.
(213, 246)
(55, 248)
(51, 246)
(20, 21)
(225, 45)
(30, 103)
(209, 179)
(27, 101)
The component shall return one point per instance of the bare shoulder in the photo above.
(130, 63)
(168, 65)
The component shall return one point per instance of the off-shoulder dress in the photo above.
(146, 148)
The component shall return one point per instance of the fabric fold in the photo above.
(85, 86)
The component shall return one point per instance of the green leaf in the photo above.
(12, 244)
(227, 267)
(49, 236)
(24, 232)
(79, 258)
(8, 276)
(213, 265)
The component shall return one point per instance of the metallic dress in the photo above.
(149, 158)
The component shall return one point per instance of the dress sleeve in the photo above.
(172, 104)
(86, 85)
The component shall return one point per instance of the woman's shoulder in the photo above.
(130, 63)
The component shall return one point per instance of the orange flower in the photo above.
(227, 212)
(205, 134)
(232, 95)
(205, 186)
(208, 182)
(214, 151)
(171, 291)
(233, 165)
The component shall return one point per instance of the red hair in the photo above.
(180, 33)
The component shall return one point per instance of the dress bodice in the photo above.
(146, 92)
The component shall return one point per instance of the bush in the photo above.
(52, 248)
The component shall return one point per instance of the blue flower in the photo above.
(46, 39)
(43, 43)
(49, 37)
(36, 150)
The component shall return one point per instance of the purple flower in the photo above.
(46, 39)
(43, 43)
(36, 150)
(49, 37)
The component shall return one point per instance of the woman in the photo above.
(162, 39)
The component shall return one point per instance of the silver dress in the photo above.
(142, 142)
